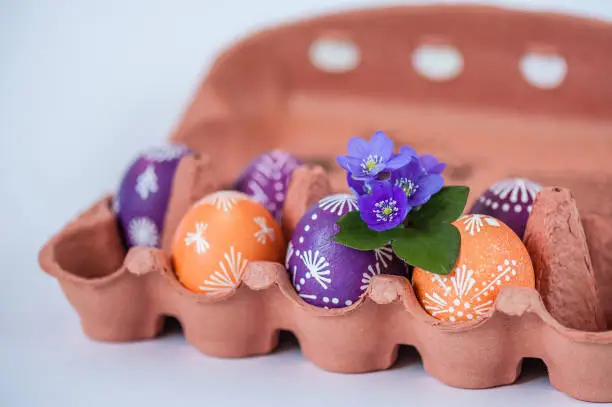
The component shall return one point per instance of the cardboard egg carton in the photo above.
(277, 89)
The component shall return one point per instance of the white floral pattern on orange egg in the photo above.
(491, 256)
(223, 200)
(474, 223)
(228, 274)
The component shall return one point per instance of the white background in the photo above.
(86, 84)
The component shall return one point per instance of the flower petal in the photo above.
(382, 145)
(410, 170)
(432, 184)
(357, 147)
(428, 186)
(366, 203)
(431, 165)
(342, 160)
(351, 164)
(403, 158)
(408, 150)
(381, 227)
(381, 190)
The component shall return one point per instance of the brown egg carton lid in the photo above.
(123, 297)
(283, 88)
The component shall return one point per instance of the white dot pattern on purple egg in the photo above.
(266, 179)
(328, 274)
(510, 201)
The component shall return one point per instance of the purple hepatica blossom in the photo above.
(417, 184)
(385, 208)
(367, 159)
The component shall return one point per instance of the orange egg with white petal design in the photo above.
(217, 238)
(491, 256)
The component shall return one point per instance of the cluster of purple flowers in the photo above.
(389, 185)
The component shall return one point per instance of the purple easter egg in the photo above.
(510, 201)
(328, 274)
(266, 179)
(144, 192)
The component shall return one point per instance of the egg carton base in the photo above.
(129, 302)
(335, 348)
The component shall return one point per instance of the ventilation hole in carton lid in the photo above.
(437, 62)
(543, 70)
(334, 54)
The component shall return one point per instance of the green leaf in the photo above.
(355, 234)
(445, 206)
(434, 249)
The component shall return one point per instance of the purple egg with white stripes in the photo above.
(141, 202)
(509, 200)
(266, 179)
(328, 274)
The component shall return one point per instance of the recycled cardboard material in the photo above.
(488, 123)
(191, 184)
(598, 230)
(564, 278)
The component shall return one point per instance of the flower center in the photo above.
(408, 186)
(369, 163)
(386, 210)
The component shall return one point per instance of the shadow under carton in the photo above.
(487, 122)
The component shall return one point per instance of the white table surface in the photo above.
(83, 86)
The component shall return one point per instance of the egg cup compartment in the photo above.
(488, 120)
(574, 291)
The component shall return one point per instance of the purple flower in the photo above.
(417, 184)
(385, 208)
(367, 159)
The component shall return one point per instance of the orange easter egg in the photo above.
(217, 238)
(491, 256)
